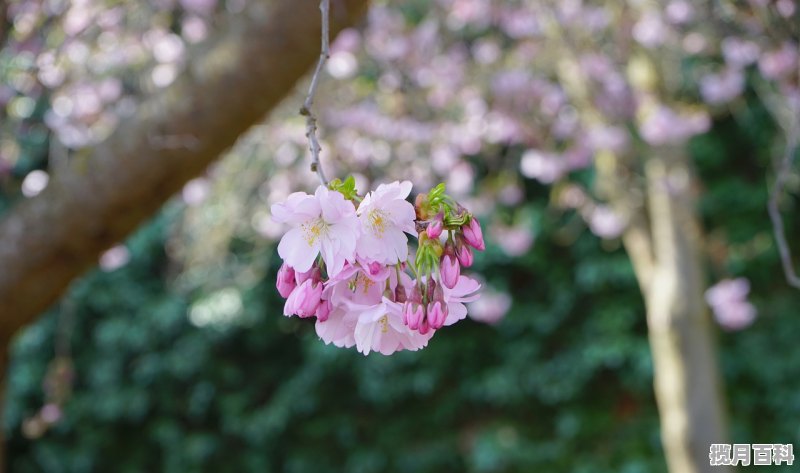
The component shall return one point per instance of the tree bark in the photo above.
(105, 193)
(687, 382)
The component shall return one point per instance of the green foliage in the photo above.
(562, 384)
(347, 187)
(155, 393)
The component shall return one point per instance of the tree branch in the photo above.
(306, 110)
(784, 168)
(106, 193)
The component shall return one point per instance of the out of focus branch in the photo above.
(107, 192)
(4, 22)
(784, 168)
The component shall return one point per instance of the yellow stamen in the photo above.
(377, 220)
(313, 230)
(364, 280)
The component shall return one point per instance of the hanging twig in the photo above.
(311, 120)
(783, 170)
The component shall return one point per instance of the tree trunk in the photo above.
(104, 193)
(687, 383)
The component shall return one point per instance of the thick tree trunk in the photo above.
(687, 383)
(105, 193)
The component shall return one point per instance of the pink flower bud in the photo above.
(435, 227)
(464, 255)
(449, 271)
(286, 282)
(324, 310)
(424, 327)
(473, 234)
(437, 313)
(303, 277)
(304, 300)
(413, 315)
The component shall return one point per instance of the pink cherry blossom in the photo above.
(385, 217)
(324, 223)
(339, 328)
(363, 316)
(466, 290)
(367, 297)
(381, 328)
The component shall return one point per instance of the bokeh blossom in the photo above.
(728, 302)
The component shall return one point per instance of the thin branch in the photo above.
(784, 168)
(311, 120)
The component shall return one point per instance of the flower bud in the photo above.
(413, 315)
(449, 271)
(286, 282)
(304, 300)
(437, 313)
(424, 327)
(324, 310)
(473, 234)
(464, 255)
(312, 274)
(435, 227)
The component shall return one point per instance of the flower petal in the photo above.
(297, 251)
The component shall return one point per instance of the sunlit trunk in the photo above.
(687, 381)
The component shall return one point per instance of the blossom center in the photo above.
(377, 221)
(313, 230)
(384, 321)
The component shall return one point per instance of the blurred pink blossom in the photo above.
(679, 12)
(728, 302)
(665, 126)
(491, 308)
(514, 240)
(196, 191)
(778, 63)
(786, 8)
(201, 7)
(545, 167)
(650, 31)
(115, 258)
(605, 223)
(739, 52)
(348, 40)
(723, 87)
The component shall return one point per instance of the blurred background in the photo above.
(544, 117)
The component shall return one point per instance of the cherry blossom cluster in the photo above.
(347, 262)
